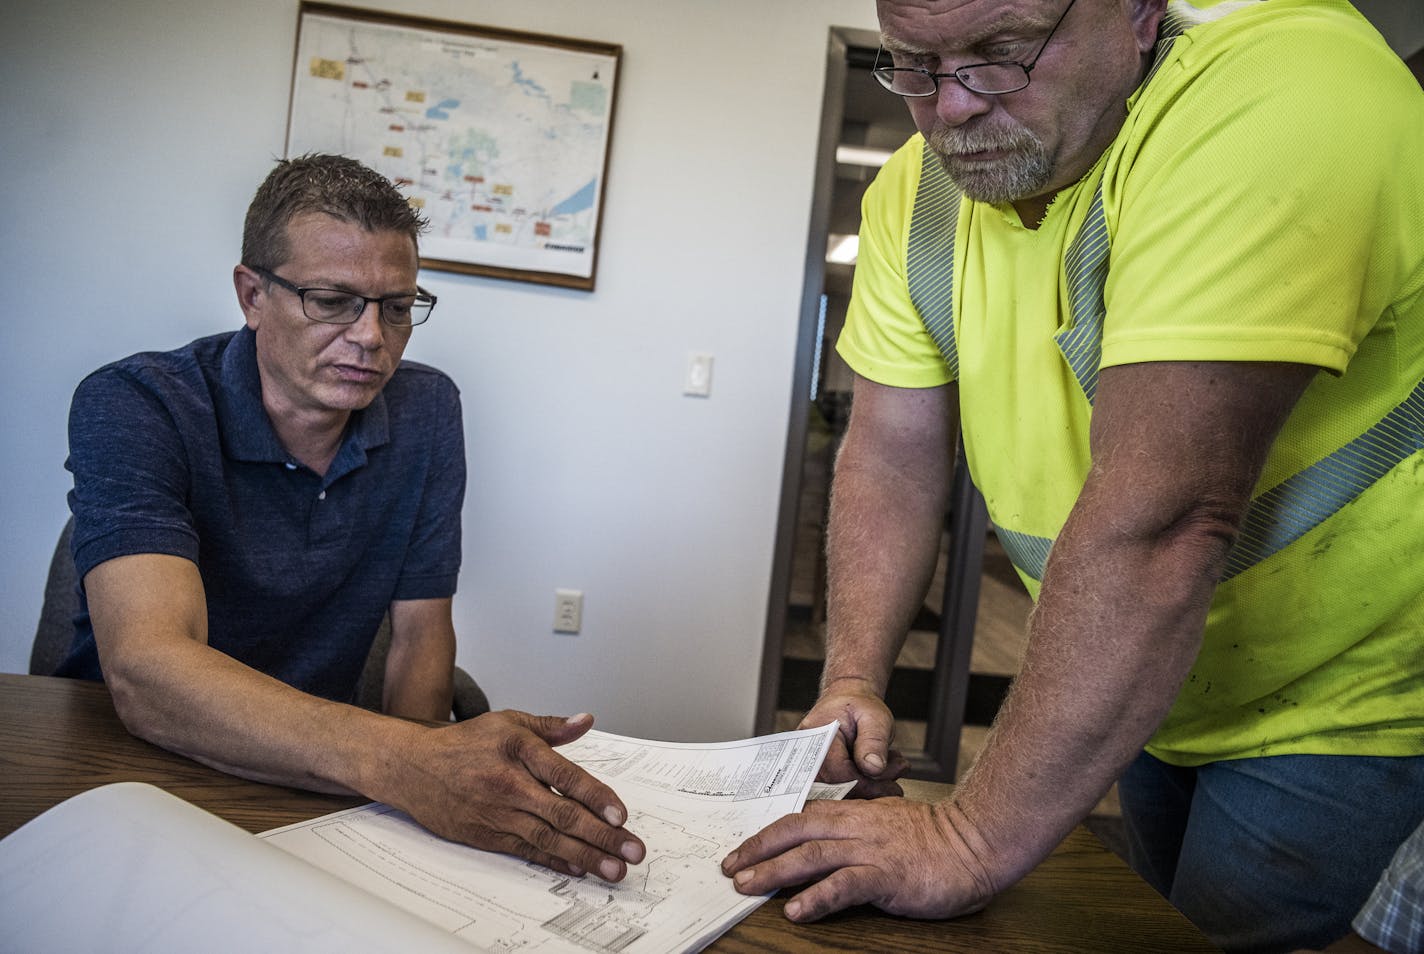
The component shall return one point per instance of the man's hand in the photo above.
(904, 857)
(496, 783)
(861, 749)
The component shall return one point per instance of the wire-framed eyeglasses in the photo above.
(990, 79)
(335, 306)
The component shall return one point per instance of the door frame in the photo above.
(968, 519)
(813, 284)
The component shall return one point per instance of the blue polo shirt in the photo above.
(173, 453)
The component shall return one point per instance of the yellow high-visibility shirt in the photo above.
(1264, 201)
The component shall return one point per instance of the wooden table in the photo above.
(59, 737)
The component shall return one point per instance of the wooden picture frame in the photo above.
(500, 138)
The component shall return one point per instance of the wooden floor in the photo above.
(1000, 633)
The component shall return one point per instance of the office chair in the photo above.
(470, 699)
(61, 603)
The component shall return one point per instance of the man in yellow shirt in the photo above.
(1165, 268)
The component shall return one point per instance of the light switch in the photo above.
(699, 374)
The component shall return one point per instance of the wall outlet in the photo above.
(568, 611)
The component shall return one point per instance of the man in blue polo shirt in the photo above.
(248, 508)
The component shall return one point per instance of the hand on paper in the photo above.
(906, 858)
(496, 783)
(861, 750)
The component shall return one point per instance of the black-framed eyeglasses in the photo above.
(990, 79)
(334, 306)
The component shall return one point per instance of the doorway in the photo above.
(932, 692)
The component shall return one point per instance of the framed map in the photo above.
(499, 138)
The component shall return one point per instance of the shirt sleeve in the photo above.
(1255, 204)
(884, 339)
(432, 564)
(1393, 917)
(131, 477)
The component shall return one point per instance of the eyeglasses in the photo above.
(991, 79)
(332, 306)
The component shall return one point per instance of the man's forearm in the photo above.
(173, 689)
(261, 729)
(882, 544)
(888, 501)
(1118, 627)
(1177, 450)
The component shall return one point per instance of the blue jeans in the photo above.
(1274, 853)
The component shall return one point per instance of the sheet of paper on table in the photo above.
(130, 867)
(691, 804)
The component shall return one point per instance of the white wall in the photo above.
(134, 133)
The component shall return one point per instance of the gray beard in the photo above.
(1025, 172)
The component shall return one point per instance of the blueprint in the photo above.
(691, 804)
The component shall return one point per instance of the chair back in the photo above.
(55, 631)
(470, 700)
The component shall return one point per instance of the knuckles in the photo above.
(564, 775)
(544, 838)
(565, 814)
(752, 850)
(814, 855)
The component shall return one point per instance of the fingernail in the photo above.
(632, 852)
(742, 877)
(874, 762)
(613, 815)
(730, 861)
(793, 909)
(577, 718)
(575, 870)
(609, 869)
